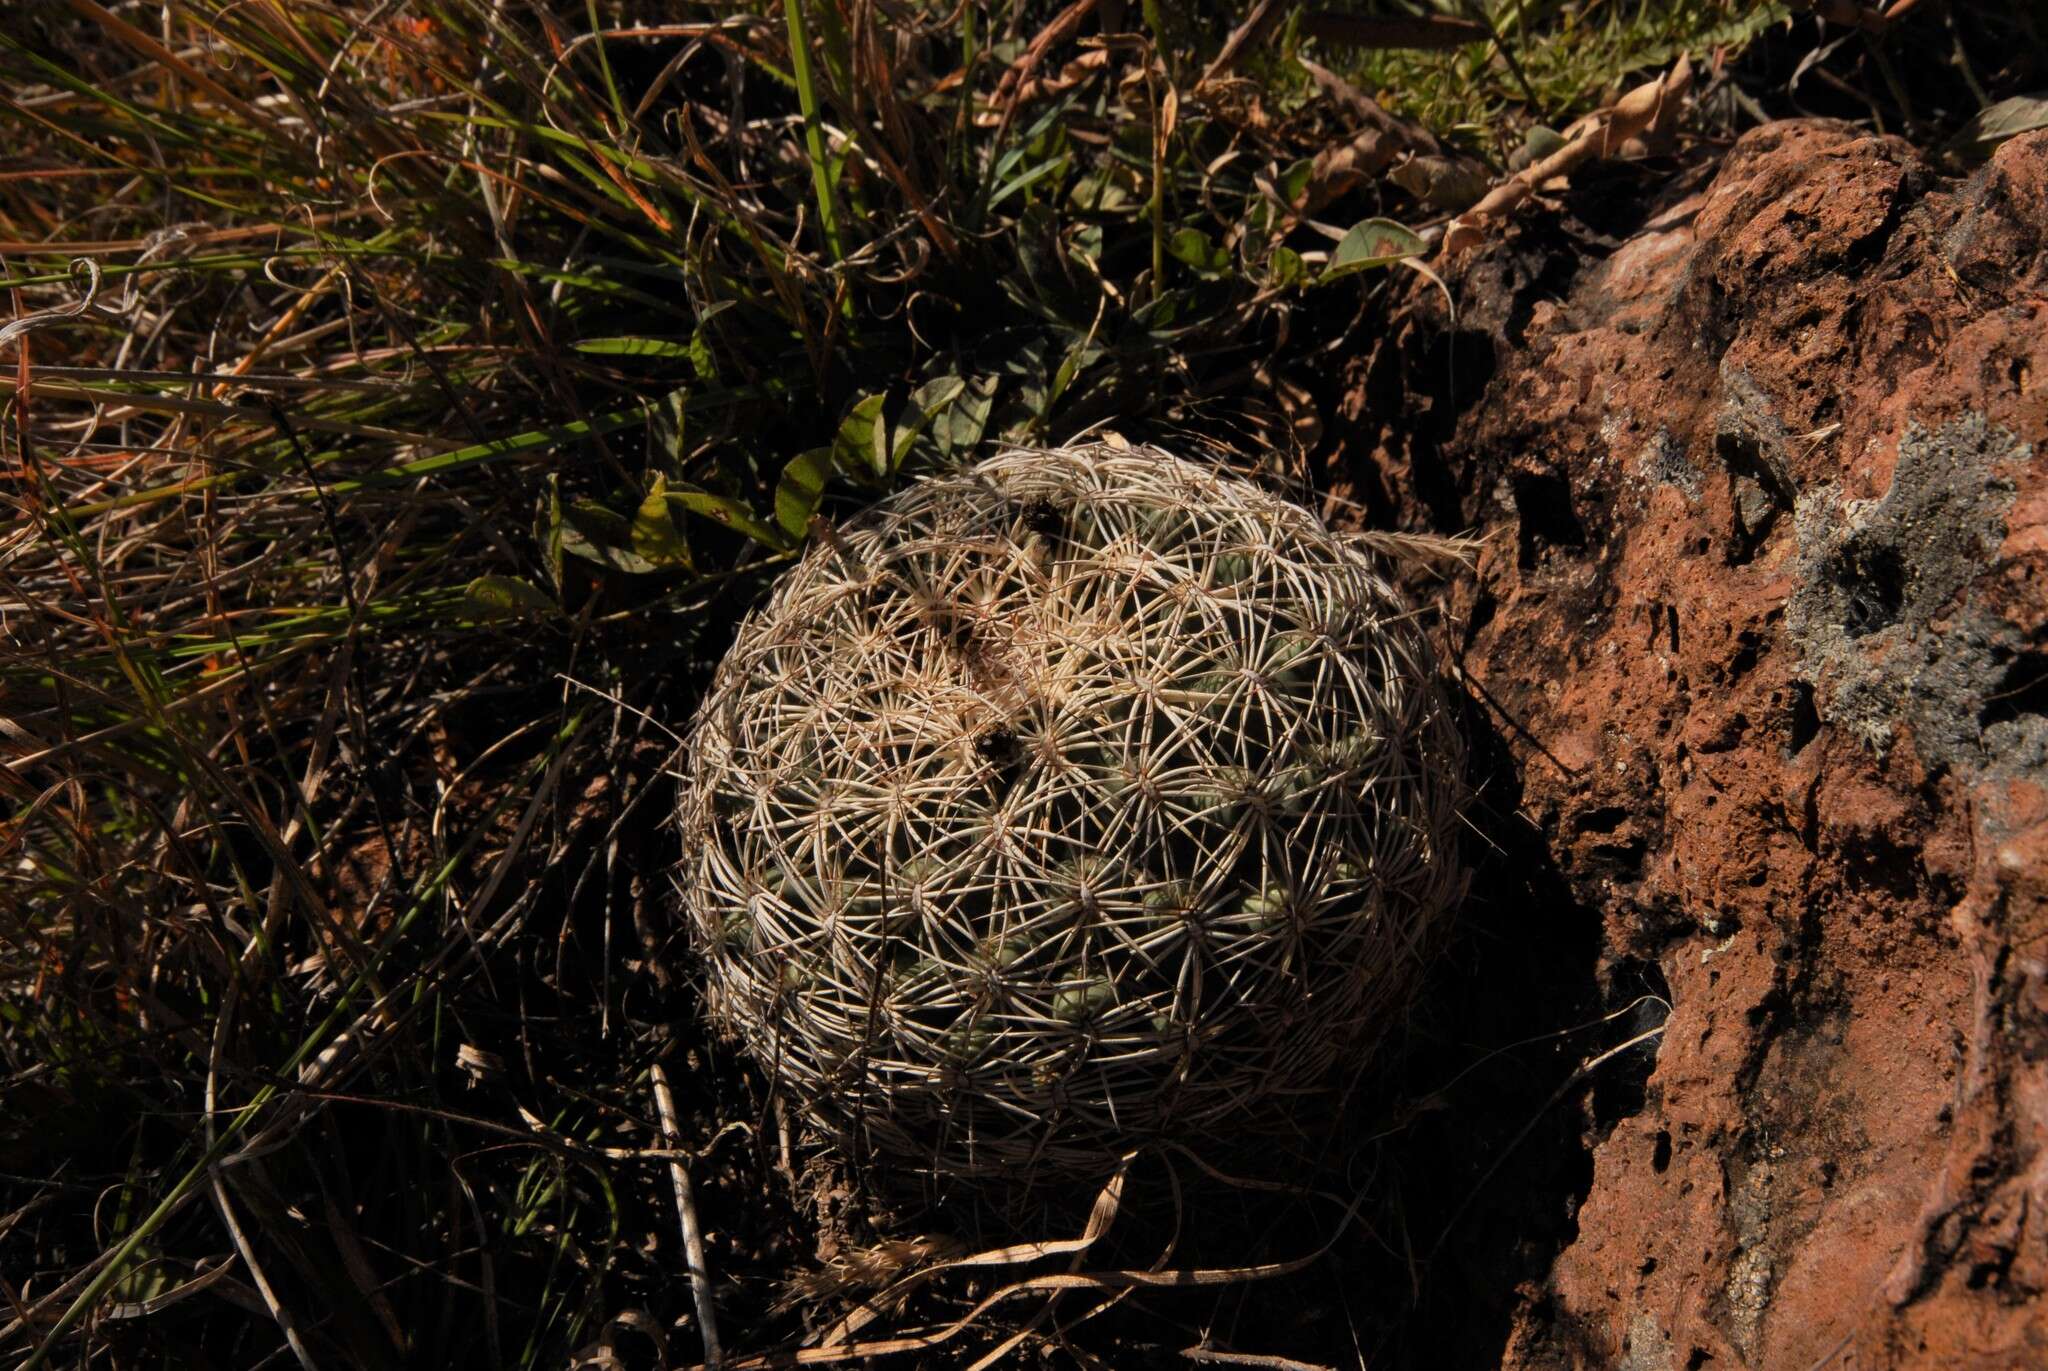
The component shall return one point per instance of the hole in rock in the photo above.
(1543, 509)
(1803, 723)
(2021, 689)
(1872, 576)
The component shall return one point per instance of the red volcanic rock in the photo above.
(1767, 620)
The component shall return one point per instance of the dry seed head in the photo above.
(1084, 798)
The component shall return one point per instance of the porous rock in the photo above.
(1767, 629)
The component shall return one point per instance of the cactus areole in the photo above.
(1080, 800)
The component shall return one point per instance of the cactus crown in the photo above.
(1079, 799)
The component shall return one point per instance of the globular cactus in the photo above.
(1083, 799)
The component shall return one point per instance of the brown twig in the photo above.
(1254, 29)
(1217, 1356)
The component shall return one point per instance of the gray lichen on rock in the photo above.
(1662, 461)
(1886, 628)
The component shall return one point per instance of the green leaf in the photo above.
(668, 426)
(633, 347)
(702, 360)
(492, 450)
(1025, 180)
(966, 419)
(703, 350)
(1084, 243)
(1167, 313)
(655, 538)
(506, 597)
(1025, 365)
(731, 513)
(1540, 141)
(801, 488)
(856, 446)
(1285, 268)
(1102, 192)
(1083, 354)
(927, 403)
(601, 536)
(1294, 182)
(1199, 251)
(1371, 243)
(548, 528)
(1994, 124)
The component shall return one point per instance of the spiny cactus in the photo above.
(1084, 798)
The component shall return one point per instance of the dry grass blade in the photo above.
(1102, 1214)
(1443, 551)
(42, 318)
(1216, 1356)
(1598, 135)
(686, 1214)
(1382, 146)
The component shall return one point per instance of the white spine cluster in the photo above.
(1084, 798)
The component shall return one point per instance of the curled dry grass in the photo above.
(403, 399)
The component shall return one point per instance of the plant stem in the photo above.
(1158, 197)
(814, 133)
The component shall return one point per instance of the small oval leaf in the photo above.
(1199, 251)
(507, 597)
(655, 537)
(801, 488)
(1372, 243)
(854, 446)
(1285, 268)
(731, 513)
(633, 347)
